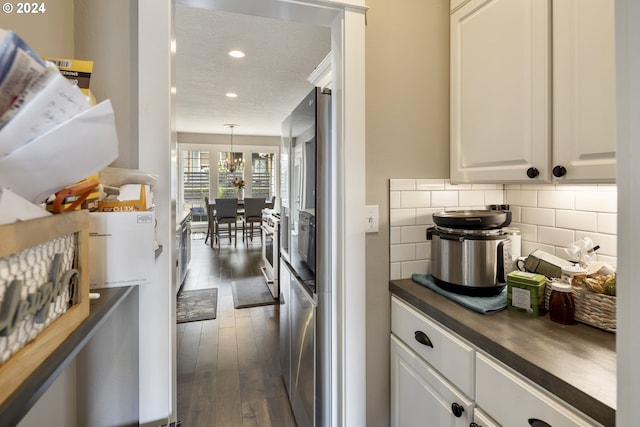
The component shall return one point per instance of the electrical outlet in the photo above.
(372, 218)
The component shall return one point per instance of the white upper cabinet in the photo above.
(584, 105)
(524, 102)
(500, 86)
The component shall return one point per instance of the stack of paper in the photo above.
(50, 135)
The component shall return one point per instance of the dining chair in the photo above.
(253, 207)
(210, 221)
(226, 212)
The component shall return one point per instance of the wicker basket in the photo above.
(598, 310)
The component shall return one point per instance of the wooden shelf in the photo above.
(22, 400)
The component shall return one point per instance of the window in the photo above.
(195, 182)
(225, 188)
(202, 174)
(263, 175)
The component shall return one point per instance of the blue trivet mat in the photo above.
(484, 305)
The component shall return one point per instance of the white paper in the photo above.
(14, 208)
(131, 192)
(56, 101)
(66, 154)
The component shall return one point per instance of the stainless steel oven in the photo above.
(271, 249)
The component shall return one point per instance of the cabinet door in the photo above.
(483, 420)
(421, 397)
(500, 91)
(584, 109)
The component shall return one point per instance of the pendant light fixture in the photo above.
(231, 162)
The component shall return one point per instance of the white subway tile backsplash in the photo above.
(444, 198)
(402, 184)
(527, 231)
(425, 216)
(398, 217)
(430, 184)
(415, 199)
(516, 213)
(528, 247)
(577, 220)
(394, 200)
(538, 187)
(417, 267)
(395, 271)
(538, 216)
(607, 223)
(423, 250)
(402, 252)
(577, 187)
(394, 235)
(413, 234)
(457, 187)
(556, 200)
(598, 201)
(471, 198)
(549, 217)
(555, 236)
(486, 187)
(522, 197)
(493, 197)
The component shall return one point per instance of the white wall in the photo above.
(50, 33)
(113, 53)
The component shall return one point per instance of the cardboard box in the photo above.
(75, 70)
(526, 293)
(121, 250)
(124, 203)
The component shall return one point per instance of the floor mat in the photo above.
(195, 305)
(251, 293)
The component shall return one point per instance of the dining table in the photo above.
(212, 205)
(212, 211)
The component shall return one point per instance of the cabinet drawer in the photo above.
(453, 358)
(420, 396)
(512, 400)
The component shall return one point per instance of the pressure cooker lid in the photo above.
(473, 219)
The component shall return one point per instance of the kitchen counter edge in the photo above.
(537, 348)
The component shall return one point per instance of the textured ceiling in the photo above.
(270, 80)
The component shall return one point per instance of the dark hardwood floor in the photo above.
(228, 368)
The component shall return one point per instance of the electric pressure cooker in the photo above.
(470, 251)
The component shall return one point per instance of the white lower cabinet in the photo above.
(420, 396)
(512, 400)
(481, 419)
(427, 391)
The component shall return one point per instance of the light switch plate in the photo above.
(372, 218)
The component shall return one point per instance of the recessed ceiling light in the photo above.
(237, 54)
(232, 95)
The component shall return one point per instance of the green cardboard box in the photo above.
(526, 292)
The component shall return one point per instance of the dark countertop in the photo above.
(577, 363)
(22, 400)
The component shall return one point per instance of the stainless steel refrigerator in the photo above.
(305, 291)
